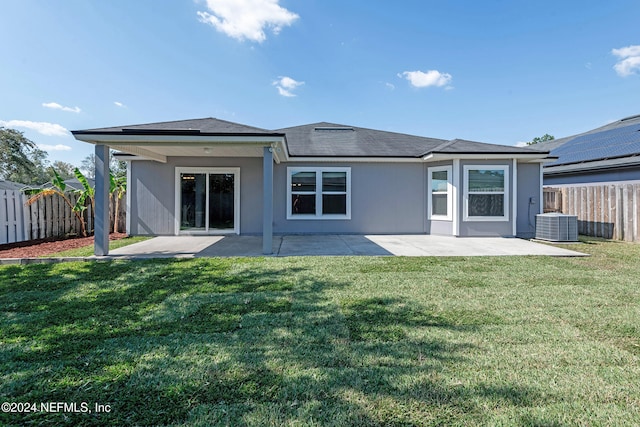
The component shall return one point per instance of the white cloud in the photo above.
(56, 106)
(45, 128)
(430, 78)
(119, 104)
(286, 86)
(247, 19)
(629, 62)
(522, 144)
(57, 147)
(390, 86)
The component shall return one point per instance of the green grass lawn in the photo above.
(365, 341)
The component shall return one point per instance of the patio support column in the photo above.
(101, 224)
(267, 195)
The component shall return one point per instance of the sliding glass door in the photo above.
(221, 203)
(207, 200)
(193, 191)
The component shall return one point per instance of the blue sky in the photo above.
(495, 71)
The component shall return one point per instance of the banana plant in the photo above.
(117, 187)
(58, 187)
(87, 192)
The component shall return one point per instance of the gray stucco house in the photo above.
(210, 176)
(610, 153)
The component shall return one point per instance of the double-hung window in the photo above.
(486, 193)
(318, 193)
(440, 200)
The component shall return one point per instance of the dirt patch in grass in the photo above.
(37, 248)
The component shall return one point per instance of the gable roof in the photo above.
(606, 145)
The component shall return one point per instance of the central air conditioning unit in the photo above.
(556, 227)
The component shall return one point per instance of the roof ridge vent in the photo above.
(175, 131)
(637, 116)
(333, 128)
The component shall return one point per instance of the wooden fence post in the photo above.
(4, 220)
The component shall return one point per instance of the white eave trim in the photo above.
(534, 157)
(530, 158)
(354, 159)
(180, 139)
(134, 144)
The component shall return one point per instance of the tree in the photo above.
(64, 169)
(40, 174)
(15, 149)
(20, 159)
(543, 138)
(88, 166)
(118, 167)
(87, 192)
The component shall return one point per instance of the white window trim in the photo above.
(506, 205)
(236, 200)
(128, 195)
(455, 194)
(449, 193)
(318, 193)
(514, 206)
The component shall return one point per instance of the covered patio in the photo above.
(157, 144)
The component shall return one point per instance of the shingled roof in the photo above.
(205, 126)
(10, 185)
(321, 139)
(335, 140)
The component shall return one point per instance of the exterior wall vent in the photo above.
(556, 227)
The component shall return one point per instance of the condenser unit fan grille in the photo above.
(557, 227)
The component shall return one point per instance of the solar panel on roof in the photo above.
(619, 142)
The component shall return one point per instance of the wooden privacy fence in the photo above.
(48, 217)
(611, 211)
(12, 216)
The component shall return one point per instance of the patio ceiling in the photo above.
(158, 152)
(160, 147)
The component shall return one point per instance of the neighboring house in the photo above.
(596, 177)
(609, 153)
(12, 186)
(209, 176)
(74, 184)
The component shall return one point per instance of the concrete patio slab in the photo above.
(421, 245)
(195, 246)
(337, 245)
